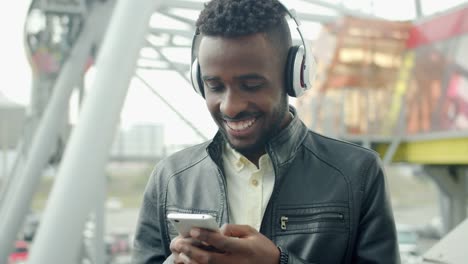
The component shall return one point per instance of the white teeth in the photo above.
(240, 125)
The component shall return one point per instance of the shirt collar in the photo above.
(239, 161)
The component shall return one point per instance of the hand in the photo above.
(180, 241)
(239, 244)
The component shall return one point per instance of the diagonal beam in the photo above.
(164, 58)
(153, 68)
(172, 65)
(179, 114)
(188, 21)
(170, 44)
(67, 7)
(81, 175)
(167, 43)
(184, 4)
(184, 33)
(18, 198)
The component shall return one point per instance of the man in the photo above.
(282, 193)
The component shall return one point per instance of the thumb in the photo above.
(240, 231)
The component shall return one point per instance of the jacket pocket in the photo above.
(311, 219)
(317, 233)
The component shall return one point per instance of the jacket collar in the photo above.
(281, 148)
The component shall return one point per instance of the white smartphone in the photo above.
(183, 223)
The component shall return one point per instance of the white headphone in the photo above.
(299, 65)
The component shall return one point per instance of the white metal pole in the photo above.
(74, 192)
(419, 12)
(99, 247)
(10, 175)
(19, 196)
(4, 145)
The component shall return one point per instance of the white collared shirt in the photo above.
(248, 188)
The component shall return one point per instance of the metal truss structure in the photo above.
(135, 35)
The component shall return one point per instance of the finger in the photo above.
(177, 259)
(195, 255)
(217, 240)
(174, 243)
(240, 231)
(179, 242)
(184, 258)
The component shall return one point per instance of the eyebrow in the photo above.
(211, 78)
(251, 76)
(241, 77)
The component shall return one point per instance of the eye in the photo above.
(214, 86)
(253, 84)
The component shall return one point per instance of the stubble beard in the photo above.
(274, 129)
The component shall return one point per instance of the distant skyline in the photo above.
(141, 106)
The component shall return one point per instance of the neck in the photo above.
(254, 155)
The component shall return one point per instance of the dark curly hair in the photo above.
(235, 18)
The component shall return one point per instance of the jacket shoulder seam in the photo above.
(343, 142)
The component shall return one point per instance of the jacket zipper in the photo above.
(275, 187)
(223, 179)
(295, 219)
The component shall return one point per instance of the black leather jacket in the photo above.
(329, 203)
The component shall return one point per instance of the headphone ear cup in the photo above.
(299, 78)
(290, 71)
(195, 78)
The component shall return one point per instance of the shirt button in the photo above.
(254, 182)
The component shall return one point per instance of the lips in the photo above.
(240, 126)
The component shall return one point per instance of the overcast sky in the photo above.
(141, 106)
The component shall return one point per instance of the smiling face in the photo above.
(244, 92)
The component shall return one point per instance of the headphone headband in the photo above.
(308, 58)
(300, 65)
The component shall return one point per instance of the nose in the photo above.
(233, 103)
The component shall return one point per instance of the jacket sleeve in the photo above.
(148, 247)
(376, 234)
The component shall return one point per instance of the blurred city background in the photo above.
(95, 93)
